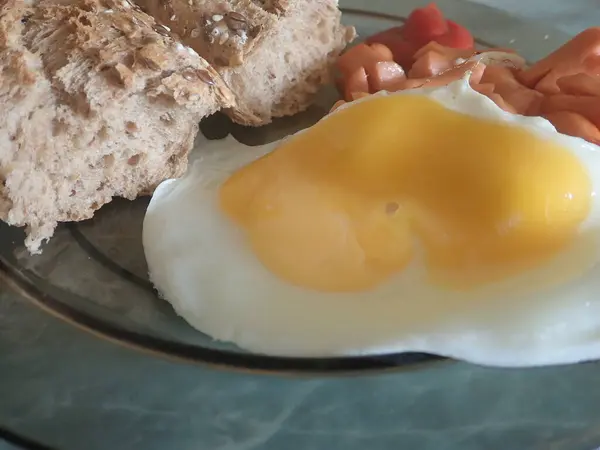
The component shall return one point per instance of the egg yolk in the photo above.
(351, 201)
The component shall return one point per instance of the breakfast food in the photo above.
(426, 213)
(434, 65)
(435, 217)
(425, 220)
(98, 101)
(274, 55)
(423, 25)
(563, 87)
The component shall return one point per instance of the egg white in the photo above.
(200, 262)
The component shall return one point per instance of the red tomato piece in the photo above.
(424, 25)
(456, 37)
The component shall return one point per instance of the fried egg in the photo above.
(426, 220)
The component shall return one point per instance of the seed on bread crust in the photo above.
(189, 75)
(236, 21)
(205, 77)
(228, 32)
(162, 30)
(200, 74)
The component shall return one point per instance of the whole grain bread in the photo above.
(273, 54)
(97, 101)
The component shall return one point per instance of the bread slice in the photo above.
(273, 54)
(97, 101)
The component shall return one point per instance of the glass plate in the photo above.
(93, 273)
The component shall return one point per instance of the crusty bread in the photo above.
(273, 54)
(97, 101)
